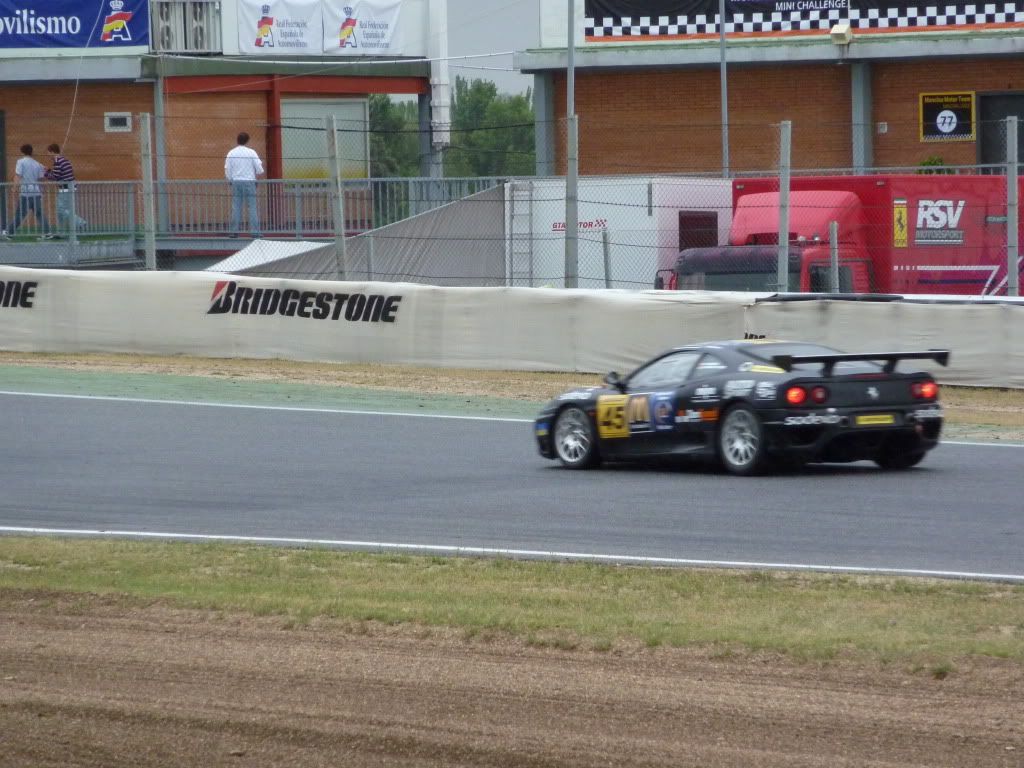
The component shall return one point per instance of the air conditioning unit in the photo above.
(199, 15)
(186, 26)
(168, 27)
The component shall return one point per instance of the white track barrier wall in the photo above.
(210, 315)
(987, 339)
(498, 328)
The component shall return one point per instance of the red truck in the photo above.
(937, 234)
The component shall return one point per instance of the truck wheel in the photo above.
(741, 445)
(575, 441)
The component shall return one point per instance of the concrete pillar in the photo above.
(861, 116)
(544, 123)
(431, 160)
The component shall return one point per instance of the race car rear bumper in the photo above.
(836, 434)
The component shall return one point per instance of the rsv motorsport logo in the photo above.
(938, 222)
(231, 298)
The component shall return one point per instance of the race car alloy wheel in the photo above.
(574, 439)
(741, 441)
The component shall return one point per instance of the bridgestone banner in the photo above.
(629, 21)
(546, 329)
(319, 27)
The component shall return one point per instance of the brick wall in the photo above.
(895, 93)
(41, 114)
(202, 127)
(670, 121)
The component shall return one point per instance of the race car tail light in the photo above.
(924, 390)
(796, 395)
(819, 395)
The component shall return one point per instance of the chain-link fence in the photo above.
(654, 210)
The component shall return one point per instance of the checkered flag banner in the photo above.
(624, 20)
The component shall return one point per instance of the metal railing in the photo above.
(98, 208)
(302, 208)
(203, 208)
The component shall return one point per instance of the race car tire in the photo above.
(741, 443)
(890, 459)
(575, 440)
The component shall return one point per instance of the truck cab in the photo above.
(749, 262)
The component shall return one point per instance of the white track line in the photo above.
(351, 411)
(455, 549)
(298, 409)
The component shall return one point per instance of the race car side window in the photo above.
(665, 372)
(709, 365)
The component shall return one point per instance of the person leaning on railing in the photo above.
(62, 173)
(241, 167)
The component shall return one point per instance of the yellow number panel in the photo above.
(611, 416)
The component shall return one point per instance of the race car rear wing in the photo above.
(786, 362)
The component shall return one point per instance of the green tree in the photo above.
(394, 143)
(492, 133)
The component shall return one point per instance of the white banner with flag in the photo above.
(362, 28)
(280, 27)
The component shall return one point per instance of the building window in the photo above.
(186, 26)
(117, 122)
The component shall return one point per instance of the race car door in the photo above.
(641, 421)
(697, 404)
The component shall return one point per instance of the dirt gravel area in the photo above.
(97, 681)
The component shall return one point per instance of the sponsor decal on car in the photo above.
(765, 390)
(738, 388)
(579, 394)
(705, 394)
(17, 294)
(611, 416)
(231, 298)
(758, 368)
(663, 407)
(812, 419)
(692, 416)
(639, 413)
(542, 430)
(927, 413)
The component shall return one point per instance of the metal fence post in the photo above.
(338, 193)
(370, 253)
(606, 249)
(148, 193)
(785, 146)
(833, 254)
(1012, 210)
(572, 159)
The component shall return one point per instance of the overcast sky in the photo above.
(488, 26)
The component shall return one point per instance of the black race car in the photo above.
(751, 405)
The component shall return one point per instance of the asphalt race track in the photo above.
(79, 464)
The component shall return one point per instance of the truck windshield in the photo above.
(731, 281)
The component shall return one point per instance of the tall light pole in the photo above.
(572, 160)
(723, 79)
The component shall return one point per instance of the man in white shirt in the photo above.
(241, 167)
(29, 172)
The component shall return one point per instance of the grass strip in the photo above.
(564, 605)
